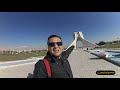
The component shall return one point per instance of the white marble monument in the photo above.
(78, 36)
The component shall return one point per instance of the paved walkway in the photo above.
(83, 64)
(21, 71)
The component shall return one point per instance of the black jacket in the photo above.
(59, 68)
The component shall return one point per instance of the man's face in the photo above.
(55, 46)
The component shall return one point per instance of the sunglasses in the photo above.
(52, 44)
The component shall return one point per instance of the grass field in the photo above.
(21, 56)
(111, 46)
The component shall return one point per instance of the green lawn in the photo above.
(21, 56)
(109, 46)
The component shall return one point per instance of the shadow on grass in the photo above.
(30, 75)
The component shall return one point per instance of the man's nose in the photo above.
(55, 45)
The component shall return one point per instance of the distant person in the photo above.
(57, 59)
(87, 48)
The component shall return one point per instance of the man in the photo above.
(59, 65)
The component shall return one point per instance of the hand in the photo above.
(73, 46)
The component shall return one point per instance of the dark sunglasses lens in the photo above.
(51, 44)
(59, 43)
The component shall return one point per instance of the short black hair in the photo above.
(53, 36)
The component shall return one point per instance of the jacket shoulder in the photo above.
(39, 70)
(40, 63)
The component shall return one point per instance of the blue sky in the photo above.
(31, 29)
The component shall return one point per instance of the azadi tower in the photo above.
(78, 36)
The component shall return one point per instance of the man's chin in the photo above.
(56, 55)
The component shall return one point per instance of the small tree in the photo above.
(101, 43)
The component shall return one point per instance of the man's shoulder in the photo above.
(39, 62)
